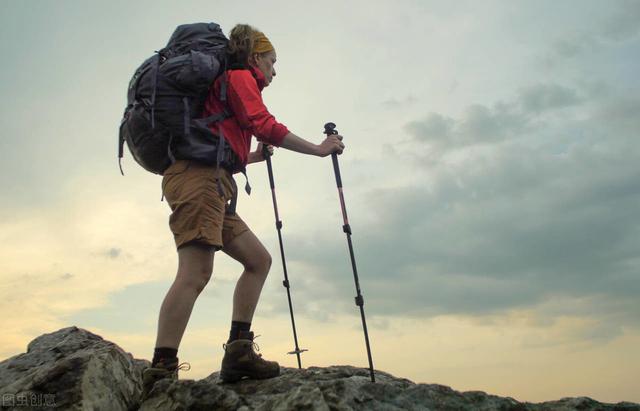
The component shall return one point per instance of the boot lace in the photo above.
(254, 354)
(185, 366)
(254, 350)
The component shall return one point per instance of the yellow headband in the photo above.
(261, 43)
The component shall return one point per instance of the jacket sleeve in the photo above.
(245, 101)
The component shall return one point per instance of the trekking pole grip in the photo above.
(266, 154)
(330, 129)
(265, 151)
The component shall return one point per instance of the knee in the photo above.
(260, 263)
(267, 262)
(195, 265)
(195, 278)
(202, 279)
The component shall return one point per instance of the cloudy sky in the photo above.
(491, 180)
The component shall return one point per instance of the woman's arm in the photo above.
(246, 103)
(331, 144)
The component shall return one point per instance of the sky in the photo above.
(490, 177)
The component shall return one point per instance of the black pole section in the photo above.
(329, 129)
(267, 156)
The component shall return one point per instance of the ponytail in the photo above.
(241, 42)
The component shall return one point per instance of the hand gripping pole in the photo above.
(267, 156)
(329, 129)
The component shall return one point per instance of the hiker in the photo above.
(202, 198)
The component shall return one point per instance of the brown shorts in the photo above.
(198, 209)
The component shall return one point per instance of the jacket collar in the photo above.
(257, 74)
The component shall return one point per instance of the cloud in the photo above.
(572, 46)
(503, 121)
(113, 253)
(478, 125)
(434, 127)
(539, 216)
(394, 103)
(623, 24)
(543, 97)
(619, 26)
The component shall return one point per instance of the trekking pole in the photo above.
(329, 129)
(267, 156)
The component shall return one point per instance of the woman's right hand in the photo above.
(331, 144)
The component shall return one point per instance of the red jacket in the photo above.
(249, 114)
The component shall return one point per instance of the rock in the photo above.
(74, 369)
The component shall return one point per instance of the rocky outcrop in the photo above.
(71, 369)
(74, 369)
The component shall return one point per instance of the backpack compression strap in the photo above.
(223, 99)
(154, 80)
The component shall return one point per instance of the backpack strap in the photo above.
(187, 116)
(223, 99)
(220, 150)
(223, 89)
(169, 152)
(154, 80)
(247, 186)
(121, 139)
(231, 208)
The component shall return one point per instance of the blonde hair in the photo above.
(245, 40)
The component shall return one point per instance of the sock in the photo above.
(163, 353)
(236, 327)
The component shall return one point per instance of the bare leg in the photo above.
(195, 265)
(248, 251)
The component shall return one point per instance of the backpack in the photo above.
(166, 97)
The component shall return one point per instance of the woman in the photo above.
(202, 223)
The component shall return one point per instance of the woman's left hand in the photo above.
(258, 153)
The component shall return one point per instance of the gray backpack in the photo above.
(165, 99)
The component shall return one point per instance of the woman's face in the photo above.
(264, 62)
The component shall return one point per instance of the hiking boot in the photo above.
(241, 360)
(163, 369)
